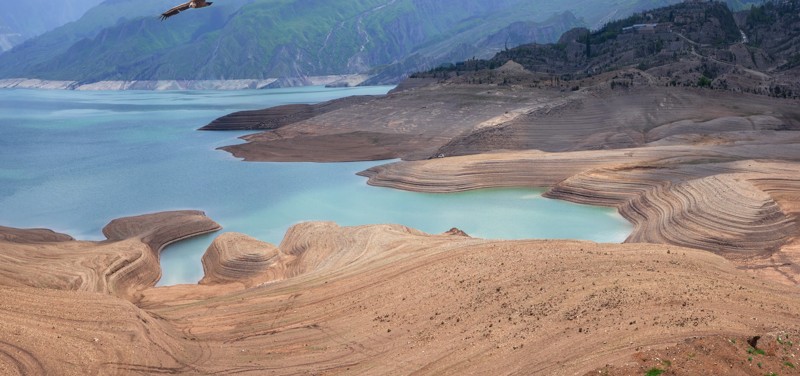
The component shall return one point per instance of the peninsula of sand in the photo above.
(707, 282)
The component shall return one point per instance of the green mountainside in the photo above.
(258, 39)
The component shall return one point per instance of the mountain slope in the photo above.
(272, 38)
(695, 44)
(20, 20)
(109, 37)
(256, 39)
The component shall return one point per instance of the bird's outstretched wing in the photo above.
(175, 10)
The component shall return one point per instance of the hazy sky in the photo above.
(33, 17)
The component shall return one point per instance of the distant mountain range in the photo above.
(292, 39)
(21, 20)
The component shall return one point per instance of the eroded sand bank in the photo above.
(377, 300)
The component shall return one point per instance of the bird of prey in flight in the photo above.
(185, 6)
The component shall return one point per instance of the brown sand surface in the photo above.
(717, 355)
(122, 266)
(709, 179)
(238, 258)
(13, 235)
(391, 300)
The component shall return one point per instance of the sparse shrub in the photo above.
(753, 350)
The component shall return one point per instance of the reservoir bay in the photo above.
(72, 161)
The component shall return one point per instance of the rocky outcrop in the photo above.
(456, 232)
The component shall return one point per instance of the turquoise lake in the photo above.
(73, 161)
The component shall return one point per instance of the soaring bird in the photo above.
(185, 6)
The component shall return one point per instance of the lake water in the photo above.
(73, 161)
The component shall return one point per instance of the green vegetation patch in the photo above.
(654, 372)
(753, 350)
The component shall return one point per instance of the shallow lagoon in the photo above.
(72, 161)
